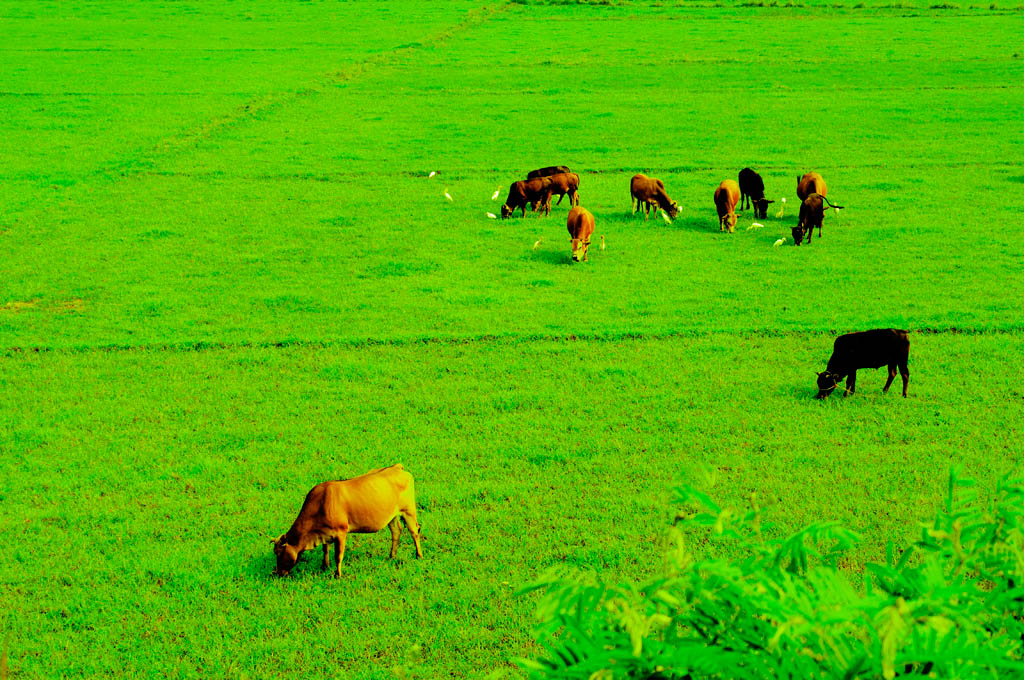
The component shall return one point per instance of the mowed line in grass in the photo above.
(162, 477)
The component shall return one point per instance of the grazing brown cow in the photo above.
(727, 195)
(752, 193)
(810, 189)
(812, 214)
(562, 184)
(646, 191)
(867, 349)
(581, 228)
(361, 505)
(522, 193)
(548, 171)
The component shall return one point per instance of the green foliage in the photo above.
(949, 607)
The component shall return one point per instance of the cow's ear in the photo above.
(769, 201)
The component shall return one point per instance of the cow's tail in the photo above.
(836, 207)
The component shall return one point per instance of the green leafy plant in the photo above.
(950, 606)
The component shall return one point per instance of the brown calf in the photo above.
(646, 191)
(581, 228)
(361, 505)
(727, 195)
(522, 193)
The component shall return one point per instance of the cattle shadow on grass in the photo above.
(363, 552)
(695, 223)
(553, 256)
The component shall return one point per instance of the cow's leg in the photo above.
(339, 549)
(905, 374)
(892, 376)
(633, 203)
(409, 517)
(326, 564)
(396, 530)
(560, 197)
(851, 380)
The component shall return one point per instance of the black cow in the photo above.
(752, 193)
(548, 171)
(867, 349)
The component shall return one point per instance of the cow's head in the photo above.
(798, 235)
(506, 211)
(673, 209)
(579, 249)
(287, 556)
(827, 382)
(761, 208)
(728, 222)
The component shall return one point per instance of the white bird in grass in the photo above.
(432, 173)
(782, 207)
(755, 225)
(536, 243)
(602, 242)
(492, 216)
(664, 216)
(495, 196)
(779, 242)
(448, 196)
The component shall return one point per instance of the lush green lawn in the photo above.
(217, 228)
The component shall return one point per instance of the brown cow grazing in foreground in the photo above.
(727, 195)
(522, 193)
(361, 505)
(646, 191)
(548, 171)
(562, 184)
(581, 228)
(867, 349)
(752, 193)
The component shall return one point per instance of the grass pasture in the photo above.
(225, 276)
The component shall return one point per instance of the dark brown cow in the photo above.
(752, 193)
(562, 184)
(361, 505)
(647, 191)
(812, 214)
(522, 193)
(548, 171)
(867, 349)
(581, 227)
(727, 195)
(811, 189)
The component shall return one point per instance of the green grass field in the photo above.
(225, 276)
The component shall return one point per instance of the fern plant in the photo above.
(949, 606)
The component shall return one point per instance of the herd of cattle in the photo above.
(647, 193)
(386, 496)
